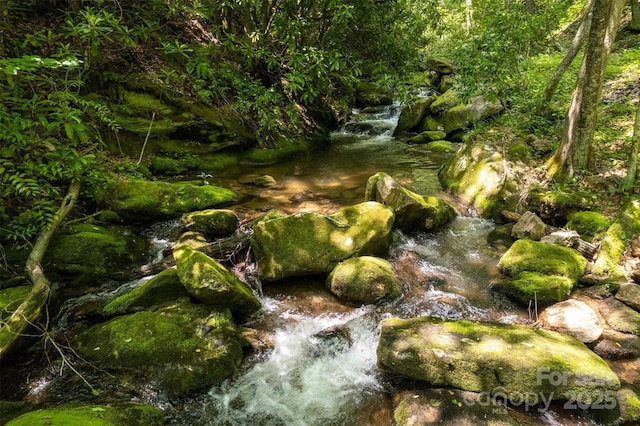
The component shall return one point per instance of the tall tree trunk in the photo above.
(574, 152)
(635, 15)
(29, 309)
(469, 14)
(576, 45)
(632, 165)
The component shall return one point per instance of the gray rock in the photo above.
(574, 318)
(529, 226)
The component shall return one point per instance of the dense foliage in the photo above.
(273, 63)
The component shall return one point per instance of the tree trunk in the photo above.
(635, 15)
(29, 309)
(576, 45)
(574, 152)
(469, 14)
(632, 165)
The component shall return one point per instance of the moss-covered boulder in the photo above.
(477, 175)
(311, 243)
(412, 115)
(371, 94)
(441, 146)
(430, 123)
(428, 136)
(588, 224)
(210, 282)
(615, 242)
(178, 350)
(11, 298)
(84, 254)
(537, 271)
(554, 206)
(144, 201)
(212, 222)
(519, 151)
(629, 400)
(364, 279)
(122, 414)
(464, 116)
(447, 100)
(413, 211)
(517, 362)
(162, 289)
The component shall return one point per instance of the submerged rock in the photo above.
(210, 282)
(122, 414)
(516, 362)
(574, 318)
(453, 407)
(364, 279)
(144, 201)
(413, 211)
(311, 243)
(181, 349)
(538, 271)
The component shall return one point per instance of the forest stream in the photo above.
(320, 368)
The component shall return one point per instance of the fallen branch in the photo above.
(29, 309)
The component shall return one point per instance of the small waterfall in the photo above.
(304, 379)
(373, 122)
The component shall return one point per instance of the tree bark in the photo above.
(574, 152)
(635, 15)
(29, 309)
(576, 45)
(632, 164)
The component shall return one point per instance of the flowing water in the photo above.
(320, 365)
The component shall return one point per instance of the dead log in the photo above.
(230, 250)
(29, 310)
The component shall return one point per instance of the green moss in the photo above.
(441, 146)
(428, 136)
(212, 222)
(588, 224)
(126, 414)
(12, 409)
(554, 206)
(614, 243)
(163, 288)
(140, 200)
(285, 148)
(11, 298)
(175, 348)
(168, 166)
(519, 151)
(629, 399)
(486, 357)
(84, 253)
(210, 282)
(545, 289)
(532, 256)
(364, 279)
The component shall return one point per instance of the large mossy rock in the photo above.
(413, 211)
(312, 243)
(588, 224)
(447, 100)
(463, 116)
(413, 114)
(477, 174)
(144, 201)
(514, 361)
(615, 241)
(537, 271)
(162, 289)
(211, 222)
(84, 254)
(210, 282)
(364, 279)
(178, 350)
(122, 414)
